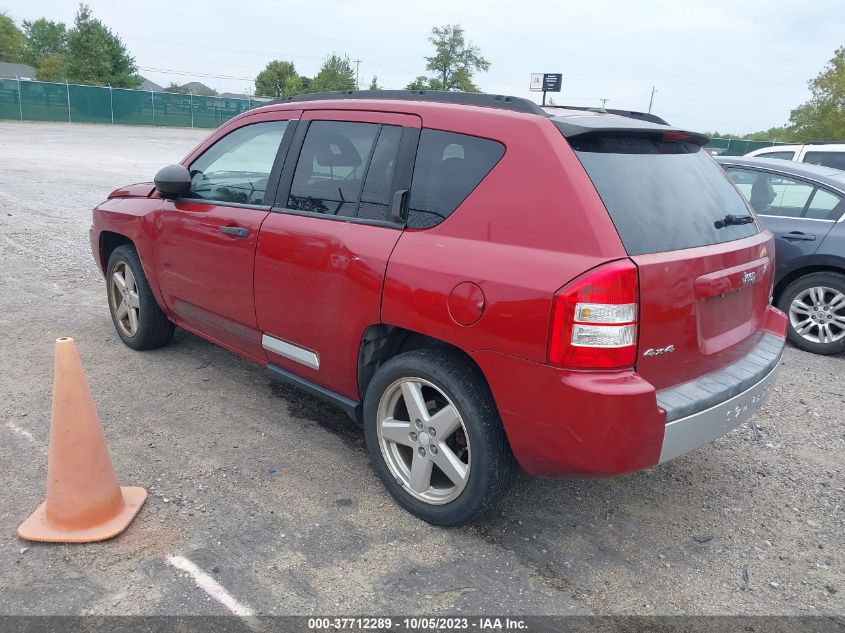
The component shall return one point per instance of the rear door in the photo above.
(323, 250)
(704, 284)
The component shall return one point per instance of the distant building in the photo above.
(149, 86)
(10, 71)
(196, 88)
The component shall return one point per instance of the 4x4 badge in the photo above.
(657, 351)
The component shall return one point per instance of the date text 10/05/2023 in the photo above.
(416, 623)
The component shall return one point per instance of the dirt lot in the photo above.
(270, 492)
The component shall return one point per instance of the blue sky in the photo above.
(722, 65)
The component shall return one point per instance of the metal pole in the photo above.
(544, 98)
(153, 101)
(67, 87)
(651, 101)
(192, 109)
(20, 101)
(111, 104)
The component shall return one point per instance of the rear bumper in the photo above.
(699, 411)
(564, 423)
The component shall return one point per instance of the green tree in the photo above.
(823, 116)
(335, 74)
(51, 68)
(44, 38)
(424, 83)
(454, 61)
(374, 84)
(278, 79)
(95, 55)
(12, 40)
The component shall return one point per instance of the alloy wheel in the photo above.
(123, 297)
(423, 440)
(817, 314)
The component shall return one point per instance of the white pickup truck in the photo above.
(826, 154)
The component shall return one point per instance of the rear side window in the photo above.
(826, 159)
(448, 167)
(662, 195)
(780, 155)
(346, 169)
(772, 194)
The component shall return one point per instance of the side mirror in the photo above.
(173, 181)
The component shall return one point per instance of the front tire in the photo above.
(435, 437)
(139, 321)
(815, 307)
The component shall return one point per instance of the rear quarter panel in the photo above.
(532, 225)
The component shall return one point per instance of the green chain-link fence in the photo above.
(738, 147)
(28, 100)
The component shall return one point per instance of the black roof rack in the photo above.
(502, 102)
(631, 114)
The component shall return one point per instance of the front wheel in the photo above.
(435, 437)
(137, 317)
(815, 306)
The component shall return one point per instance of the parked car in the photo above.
(470, 278)
(804, 206)
(824, 154)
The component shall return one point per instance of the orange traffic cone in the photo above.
(84, 502)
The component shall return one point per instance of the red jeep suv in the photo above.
(472, 279)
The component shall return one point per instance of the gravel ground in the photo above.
(270, 492)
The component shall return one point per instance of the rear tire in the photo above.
(139, 321)
(445, 459)
(815, 308)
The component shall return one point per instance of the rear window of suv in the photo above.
(661, 195)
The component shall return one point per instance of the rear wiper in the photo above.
(733, 220)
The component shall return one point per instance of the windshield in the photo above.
(662, 195)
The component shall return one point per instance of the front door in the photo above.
(322, 252)
(205, 253)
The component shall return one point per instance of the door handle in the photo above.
(237, 231)
(798, 236)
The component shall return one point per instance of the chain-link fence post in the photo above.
(20, 99)
(153, 102)
(111, 104)
(67, 87)
(192, 109)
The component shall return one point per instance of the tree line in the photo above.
(822, 118)
(453, 64)
(90, 53)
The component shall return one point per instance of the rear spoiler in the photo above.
(606, 124)
(631, 114)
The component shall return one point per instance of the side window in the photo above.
(781, 155)
(771, 194)
(825, 206)
(237, 167)
(346, 169)
(448, 167)
(826, 159)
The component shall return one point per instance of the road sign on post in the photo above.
(546, 82)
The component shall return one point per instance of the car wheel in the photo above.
(137, 317)
(435, 437)
(815, 307)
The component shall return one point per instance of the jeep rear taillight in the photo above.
(594, 319)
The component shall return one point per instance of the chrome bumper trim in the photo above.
(686, 434)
